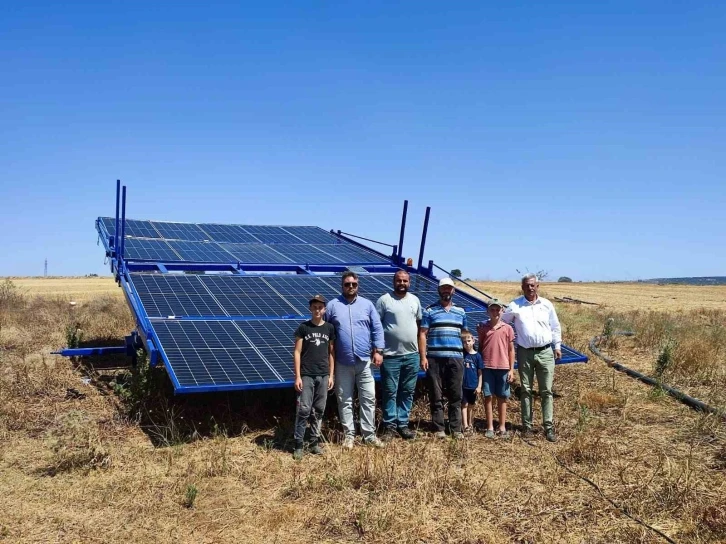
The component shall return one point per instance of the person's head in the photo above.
(317, 306)
(350, 284)
(446, 290)
(468, 340)
(401, 282)
(495, 307)
(530, 286)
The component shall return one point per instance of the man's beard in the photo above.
(445, 298)
(401, 290)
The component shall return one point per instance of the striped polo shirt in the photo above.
(445, 326)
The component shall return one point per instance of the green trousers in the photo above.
(539, 362)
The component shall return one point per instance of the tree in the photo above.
(565, 279)
(456, 273)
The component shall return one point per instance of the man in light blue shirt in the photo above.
(359, 340)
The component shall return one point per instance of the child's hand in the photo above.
(298, 385)
(331, 382)
(478, 390)
(510, 376)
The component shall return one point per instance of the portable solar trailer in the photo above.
(231, 326)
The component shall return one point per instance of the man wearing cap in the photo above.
(400, 313)
(358, 342)
(442, 355)
(535, 321)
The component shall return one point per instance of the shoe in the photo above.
(504, 435)
(527, 433)
(316, 449)
(489, 433)
(348, 443)
(469, 430)
(388, 435)
(374, 442)
(406, 433)
(440, 434)
(297, 454)
(458, 436)
(550, 435)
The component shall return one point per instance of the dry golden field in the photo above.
(121, 460)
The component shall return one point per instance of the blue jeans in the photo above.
(398, 375)
(347, 377)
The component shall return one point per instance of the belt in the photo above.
(535, 349)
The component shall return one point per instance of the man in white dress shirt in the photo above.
(538, 330)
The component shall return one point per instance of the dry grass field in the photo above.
(120, 459)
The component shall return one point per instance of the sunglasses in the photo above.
(350, 284)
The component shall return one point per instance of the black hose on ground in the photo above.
(675, 393)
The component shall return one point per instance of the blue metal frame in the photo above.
(114, 247)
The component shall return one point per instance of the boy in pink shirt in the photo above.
(496, 345)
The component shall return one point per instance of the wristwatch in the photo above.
(378, 350)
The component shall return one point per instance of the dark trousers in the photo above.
(310, 407)
(446, 376)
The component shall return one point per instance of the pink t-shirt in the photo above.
(494, 345)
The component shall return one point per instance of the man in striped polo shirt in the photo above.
(442, 355)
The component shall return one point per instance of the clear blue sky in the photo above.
(584, 139)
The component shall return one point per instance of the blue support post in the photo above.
(116, 232)
(122, 242)
(403, 230)
(423, 237)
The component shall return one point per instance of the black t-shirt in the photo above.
(316, 339)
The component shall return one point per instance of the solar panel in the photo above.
(229, 233)
(272, 235)
(348, 253)
(212, 354)
(249, 296)
(274, 338)
(313, 235)
(256, 254)
(201, 252)
(134, 228)
(165, 295)
(180, 231)
(149, 250)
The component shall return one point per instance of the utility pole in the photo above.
(45, 273)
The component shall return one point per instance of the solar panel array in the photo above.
(161, 241)
(236, 331)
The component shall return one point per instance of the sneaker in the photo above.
(550, 435)
(406, 433)
(469, 430)
(458, 436)
(374, 442)
(348, 443)
(489, 433)
(316, 449)
(440, 434)
(503, 434)
(388, 435)
(297, 454)
(527, 433)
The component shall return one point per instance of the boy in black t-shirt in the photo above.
(314, 362)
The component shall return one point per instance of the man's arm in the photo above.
(422, 333)
(556, 331)
(377, 334)
(508, 315)
(296, 363)
(331, 364)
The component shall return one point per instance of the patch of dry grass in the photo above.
(659, 460)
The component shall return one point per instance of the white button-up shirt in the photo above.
(535, 323)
